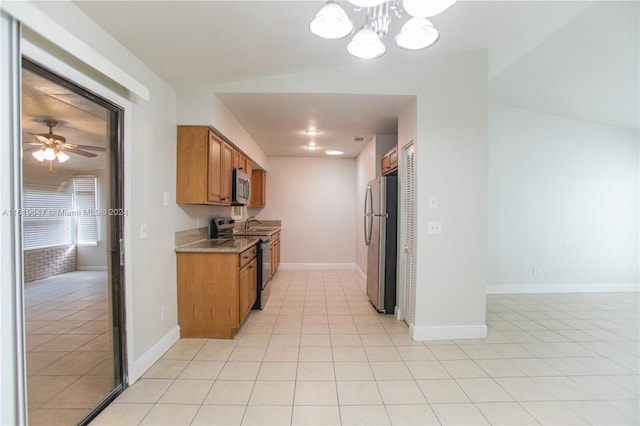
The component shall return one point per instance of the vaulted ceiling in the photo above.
(575, 58)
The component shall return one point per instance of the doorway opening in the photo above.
(73, 262)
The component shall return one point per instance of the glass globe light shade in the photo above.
(39, 155)
(62, 157)
(49, 154)
(426, 8)
(366, 44)
(366, 3)
(417, 33)
(331, 22)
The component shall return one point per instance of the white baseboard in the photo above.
(448, 332)
(149, 358)
(91, 268)
(563, 288)
(297, 266)
(361, 274)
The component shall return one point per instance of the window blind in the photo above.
(45, 216)
(85, 208)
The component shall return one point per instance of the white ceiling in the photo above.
(573, 58)
(80, 121)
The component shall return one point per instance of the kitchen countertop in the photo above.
(219, 245)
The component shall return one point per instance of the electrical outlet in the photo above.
(535, 271)
(198, 223)
(434, 228)
(163, 312)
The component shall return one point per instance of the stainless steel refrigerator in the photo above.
(380, 234)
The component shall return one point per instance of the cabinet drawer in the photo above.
(247, 255)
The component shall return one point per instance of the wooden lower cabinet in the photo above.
(248, 288)
(275, 252)
(215, 292)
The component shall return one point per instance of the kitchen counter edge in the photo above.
(235, 245)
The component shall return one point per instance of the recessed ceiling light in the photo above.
(312, 132)
(333, 152)
(312, 147)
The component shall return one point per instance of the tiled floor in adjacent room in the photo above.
(319, 354)
(69, 361)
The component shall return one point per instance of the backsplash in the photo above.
(182, 238)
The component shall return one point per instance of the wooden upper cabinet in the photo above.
(226, 171)
(204, 163)
(258, 189)
(390, 161)
(241, 162)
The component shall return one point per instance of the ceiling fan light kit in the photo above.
(417, 33)
(332, 22)
(366, 44)
(51, 146)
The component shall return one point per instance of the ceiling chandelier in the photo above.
(418, 32)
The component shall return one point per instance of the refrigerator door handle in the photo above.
(368, 215)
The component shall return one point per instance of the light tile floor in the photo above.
(69, 362)
(320, 355)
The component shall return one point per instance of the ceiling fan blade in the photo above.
(32, 149)
(48, 137)
(32, 143)
(91, 148)
(81, 152)
(41, 137)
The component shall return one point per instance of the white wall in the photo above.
(150, 169)
(563, 198)
(451, 152)
(314, 198)
(201, 107)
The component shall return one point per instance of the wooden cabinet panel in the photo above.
(226, 168)
(258, 189)
(192, 159)
(215, 292)
(248, 288)
(240, 161)
(203, 172)
(208, 295)
(275, 252)
(214, 193)
(390, 161)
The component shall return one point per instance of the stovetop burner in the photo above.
(221, 227)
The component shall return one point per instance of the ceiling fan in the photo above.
(51, 146)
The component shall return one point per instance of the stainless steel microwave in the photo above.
(241, 187)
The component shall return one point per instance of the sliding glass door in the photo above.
(72, 229)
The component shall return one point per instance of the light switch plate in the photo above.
(143, 230)
(433, 202)
(165, 198)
